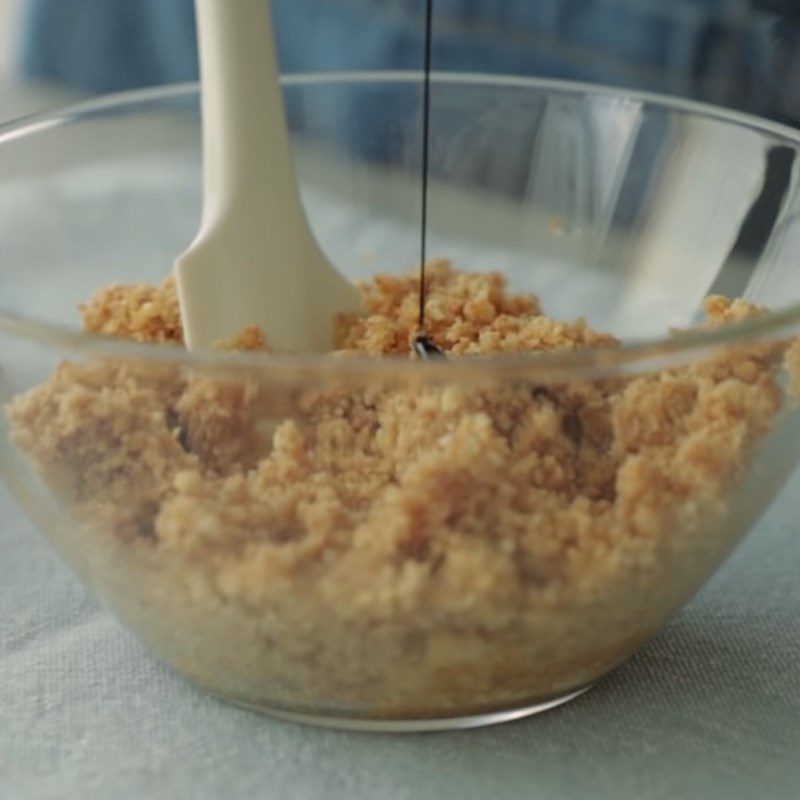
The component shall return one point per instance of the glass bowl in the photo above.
(387, 543)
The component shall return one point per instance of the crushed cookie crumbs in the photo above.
(399, 551)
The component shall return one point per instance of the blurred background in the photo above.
(673, 197)
(742, 54)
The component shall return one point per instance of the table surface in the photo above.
(711, 708)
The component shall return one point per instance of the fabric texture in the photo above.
(716, 49)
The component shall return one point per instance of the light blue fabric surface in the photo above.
(104, 45)
(662, 45)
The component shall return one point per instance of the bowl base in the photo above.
(431, 725)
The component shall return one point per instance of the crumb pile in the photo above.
(389, 550)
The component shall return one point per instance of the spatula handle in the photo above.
(243, 114)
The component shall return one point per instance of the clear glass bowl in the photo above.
(385, 543)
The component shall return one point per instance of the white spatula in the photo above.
(254, 260)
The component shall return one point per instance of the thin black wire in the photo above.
(426, 136)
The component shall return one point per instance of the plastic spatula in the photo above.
(254, 260)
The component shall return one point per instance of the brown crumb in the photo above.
(724, 311)
(396, 551)
(465, 313)
(140, 312)
(249, 338)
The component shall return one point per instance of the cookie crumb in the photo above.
(399, 550)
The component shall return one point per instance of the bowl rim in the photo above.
(650, 353)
